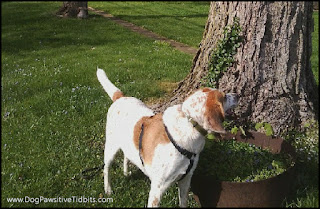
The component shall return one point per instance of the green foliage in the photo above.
(211, 136)
(222, 56)
(234, 126)
(306, 186)
(234, 130)
(245, 162)
(258, 126)
(266, 127)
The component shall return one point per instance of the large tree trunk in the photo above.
(74, 9)
(272, 73)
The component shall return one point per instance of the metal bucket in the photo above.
(270, 192)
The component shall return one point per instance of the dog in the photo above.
(164, 146)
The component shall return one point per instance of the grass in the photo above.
(246, 162)
(306, 187)
(169, 19)
(54, 110)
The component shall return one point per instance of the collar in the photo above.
(199, 128)
(188, 154)
(183, 151)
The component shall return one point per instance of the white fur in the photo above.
(168, 164)
(106, 84)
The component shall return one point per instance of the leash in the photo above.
(188, 154)
(89, 173)
(140, 143)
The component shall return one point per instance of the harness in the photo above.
(186, 153)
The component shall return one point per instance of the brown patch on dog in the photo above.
(155, 202)
(154, 133)
(206, 89)
(214, 110)
(117, 95)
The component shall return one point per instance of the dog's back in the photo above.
(122, 115)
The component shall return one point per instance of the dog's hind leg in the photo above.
(109, 152)
(125, 166)
(183, 186)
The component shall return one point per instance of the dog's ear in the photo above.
(215, 118)
(214, 111)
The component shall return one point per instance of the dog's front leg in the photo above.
(125, 166)
(154, 195)
(183, 187)
(156, 191)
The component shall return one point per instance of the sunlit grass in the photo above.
(183, 21)
(53, 109)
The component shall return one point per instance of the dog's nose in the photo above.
(235, 96)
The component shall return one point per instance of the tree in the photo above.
(74, 9)
(272, 71)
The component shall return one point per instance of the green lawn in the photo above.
(54, 109)
(182, 21)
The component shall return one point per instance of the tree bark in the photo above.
(272, 73)
(77, 9)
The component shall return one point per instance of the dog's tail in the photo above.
(113, 92)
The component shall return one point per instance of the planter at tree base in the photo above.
(271, 192)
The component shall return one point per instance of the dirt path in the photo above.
(179, 46)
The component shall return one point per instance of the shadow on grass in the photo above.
(52, 32)
(305, 185)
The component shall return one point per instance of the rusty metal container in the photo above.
(270, 192)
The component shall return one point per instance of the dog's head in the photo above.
(208, 108)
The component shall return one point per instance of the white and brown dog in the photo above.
(164, 146)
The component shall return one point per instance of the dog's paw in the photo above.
(127, 173)
(108, 190)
